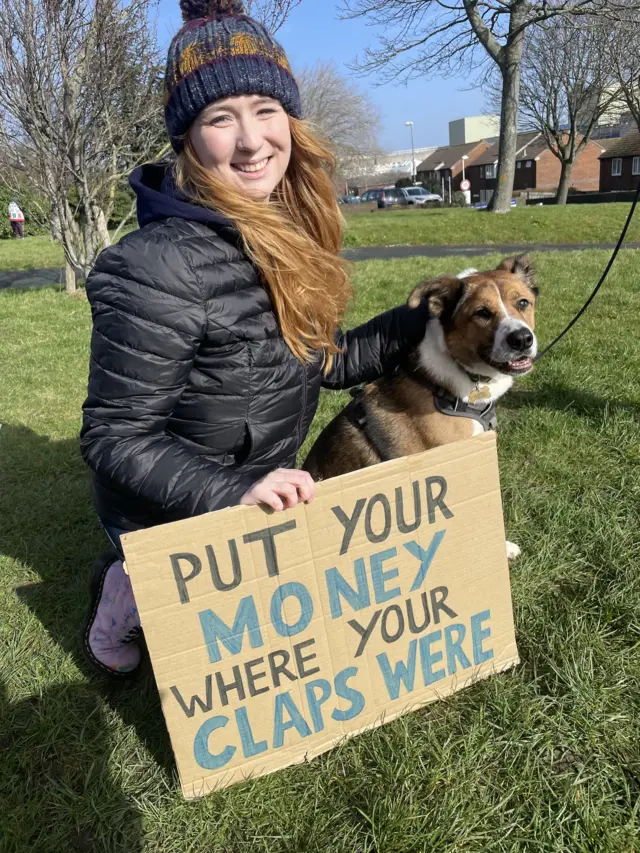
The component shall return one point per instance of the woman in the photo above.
(214, 325)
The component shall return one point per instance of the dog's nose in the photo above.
(520, 339)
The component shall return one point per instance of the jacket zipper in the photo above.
(304, 405)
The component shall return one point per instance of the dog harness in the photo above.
(445, 403)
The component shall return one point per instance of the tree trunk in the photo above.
(70, 279)
(510, 68)
(103, 231)
(565, 182)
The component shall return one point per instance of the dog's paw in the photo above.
(513, 551)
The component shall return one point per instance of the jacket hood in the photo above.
(159, 198)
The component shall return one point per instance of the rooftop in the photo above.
(626, 146)
(447, 156)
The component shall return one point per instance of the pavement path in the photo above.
(43, 277)
(385, 253)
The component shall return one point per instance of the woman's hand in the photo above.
(281, 489)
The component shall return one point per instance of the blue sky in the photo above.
(314, 32)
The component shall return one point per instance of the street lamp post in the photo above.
(463, 158)
(413, 156)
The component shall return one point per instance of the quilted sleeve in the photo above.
(148, 320)
(370, 350)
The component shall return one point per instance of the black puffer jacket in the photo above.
(193, 394)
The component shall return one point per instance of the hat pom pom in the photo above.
(193, 9)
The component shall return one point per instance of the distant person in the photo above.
(217, 322)
(16, 218)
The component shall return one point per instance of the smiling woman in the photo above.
(217, 322)
(244, 140)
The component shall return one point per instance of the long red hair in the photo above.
(294, 240)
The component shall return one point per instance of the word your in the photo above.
(376, 516)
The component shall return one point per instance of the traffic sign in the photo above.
(465, 185)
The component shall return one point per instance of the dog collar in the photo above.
(445, 402)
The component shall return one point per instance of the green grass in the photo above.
(31, 253)
(584, 223)
(545, 757)
(38, 252)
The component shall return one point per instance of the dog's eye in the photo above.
(522, 304)
(483, 313)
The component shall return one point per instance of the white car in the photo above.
(418, 195)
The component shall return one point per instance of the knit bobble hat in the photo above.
(220, 52)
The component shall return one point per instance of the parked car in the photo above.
(349, 199)
(394, 197)
(386, 197)
(418, 195)
(485, 204)
(371, 195)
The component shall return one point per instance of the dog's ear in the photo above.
(441, 294)
(522, 266)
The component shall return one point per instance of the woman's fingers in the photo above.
(281, 489)
(302, 480)
(288, 492)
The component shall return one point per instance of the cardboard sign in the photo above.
(275, 636)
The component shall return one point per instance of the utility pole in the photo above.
(409, 124)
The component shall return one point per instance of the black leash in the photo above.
(602, 279)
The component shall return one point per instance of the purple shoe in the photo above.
(113, 624)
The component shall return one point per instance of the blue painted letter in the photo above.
(379, 577)
(404, 674)
(201, 752)
(306, 608)
(478, 633)
(296, 721)
(315, 702)
(337, 586)
(249, 746)
(214, 629)
(345, 692)
(454, 647)
(428, 658)
(425, 557)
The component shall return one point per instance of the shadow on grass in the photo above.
(61, 794)
(51, 527)
(581, 403)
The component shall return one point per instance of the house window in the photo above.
(519, 164)
(485, 196)
(490, 171)
(529, 164)
(616, 167)
(635, 166)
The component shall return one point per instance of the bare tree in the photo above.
(272, 13)
(424, 37)
(566, 87)
(624, 56)
(79, 106)
(342, 112)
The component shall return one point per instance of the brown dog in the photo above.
(478, 338)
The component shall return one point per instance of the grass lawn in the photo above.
(545, 757)
(31, 253)
(38, 252)
(584, 223)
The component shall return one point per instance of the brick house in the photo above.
(446, 162)
(620, 163)
(537, 168)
